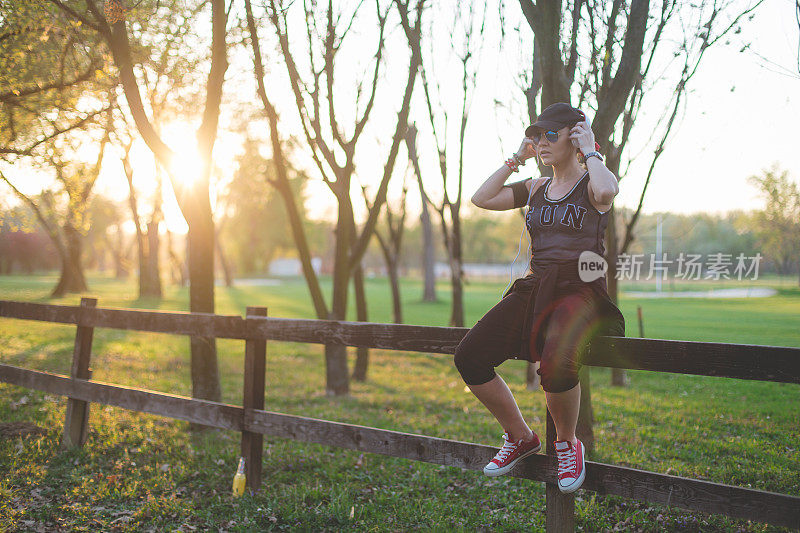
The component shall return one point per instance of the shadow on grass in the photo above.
(289, 307)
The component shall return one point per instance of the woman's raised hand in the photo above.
(527, 149)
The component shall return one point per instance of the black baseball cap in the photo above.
(555, 117)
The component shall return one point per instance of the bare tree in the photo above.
(350, 243)
(146, 238)
(698, 36)
(613, 76)
(390, 246)
(163, 77)
(179, 273)
(449, 209)
(224, 264)
(119, 247)
(428, 250)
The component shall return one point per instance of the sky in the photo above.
(739, 116)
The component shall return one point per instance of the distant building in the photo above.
(489, 271)
(289, 266)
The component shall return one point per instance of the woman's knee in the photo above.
(569, 332)
(558, 376)
(472, 364)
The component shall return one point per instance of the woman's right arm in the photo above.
(493, 194)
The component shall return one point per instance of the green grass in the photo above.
(140, 472)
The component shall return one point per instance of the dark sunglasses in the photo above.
(550, 135)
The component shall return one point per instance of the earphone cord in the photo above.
(519, 248)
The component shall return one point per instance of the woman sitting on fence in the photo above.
(553, 312)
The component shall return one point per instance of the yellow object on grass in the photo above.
(240, 479)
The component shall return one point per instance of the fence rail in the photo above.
(741, 361)
(766, 363)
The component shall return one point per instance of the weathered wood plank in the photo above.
(174, 322)
(192, 410)
(194, 324)
(742, 361)
(694, 494)
(59, 314)
(255, 359)
(681, 492)
(430, 339)
(76, 416)
(386, 442)
(388, 336)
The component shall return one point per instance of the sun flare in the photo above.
(187, 164)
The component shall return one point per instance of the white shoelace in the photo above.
(507, 448)
(567, 460)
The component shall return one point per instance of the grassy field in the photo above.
(140, 472)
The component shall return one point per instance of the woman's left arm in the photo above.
(602, 182)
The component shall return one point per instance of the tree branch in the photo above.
(56, 133)
(74, 14)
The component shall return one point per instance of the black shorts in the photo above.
(571, 324)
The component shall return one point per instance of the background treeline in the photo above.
(249, 248)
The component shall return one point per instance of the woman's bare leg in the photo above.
(497, 397)
(564, 408)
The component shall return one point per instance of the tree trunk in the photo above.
(532, 378)
(193, 200)
(457, 310)
(428, 250)
(390, 253)
(394, 280)
(178, 274)
(153, 269)
(72, 279)
(453, 252)
(147, 244)
(619, 378)
(120, 272)
(456, 272)
(141, 254)
(362, 353)
(205, 372)
(223, 261)
(428, 256)
(337, 377)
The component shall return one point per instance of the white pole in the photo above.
(658, 252)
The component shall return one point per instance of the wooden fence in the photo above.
(765, 363)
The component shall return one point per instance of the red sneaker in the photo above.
(510, 454)
(571, 468)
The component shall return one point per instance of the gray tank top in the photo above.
(562, 228)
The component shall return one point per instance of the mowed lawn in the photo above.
(140, 472)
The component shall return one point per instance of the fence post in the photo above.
(255, 359)
(559, 507)
(76, 419)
